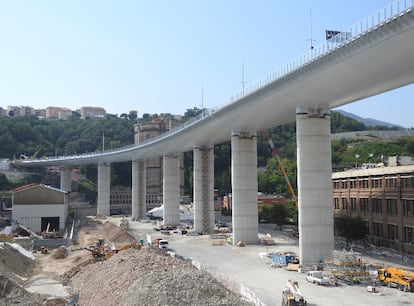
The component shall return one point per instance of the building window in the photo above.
(344, 203)
(407, 182)
(353, 204)
(336, 185)
(336, 203)
(392, 231)
(391, 183)
(344, 184)
(408, 234)
(363, 183)
(376, 183)
(408, 208)
(377, 229)
(352, 184)
(377, 206)
(392, 207)
(363, 204)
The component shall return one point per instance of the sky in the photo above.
(167, 56)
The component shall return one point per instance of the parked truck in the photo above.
(281, 259)
(292, 295)
(317, 277)
(397, 278)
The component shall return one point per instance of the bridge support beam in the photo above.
(66, 179)
(244, 187)
(203, 189)
(139, 189)
(314, 158)
(104, 187)
(171, 190)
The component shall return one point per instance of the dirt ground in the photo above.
(90, 230)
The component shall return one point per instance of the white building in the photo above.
(38, 206)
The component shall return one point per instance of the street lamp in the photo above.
(356, 160)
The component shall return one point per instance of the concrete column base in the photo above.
(171, 190)
(139, 192)
(316, 227)
(244, 187)
(104, 188)
(66, 179)
(203, 197)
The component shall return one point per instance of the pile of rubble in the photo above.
(15, 269)
(149, 277)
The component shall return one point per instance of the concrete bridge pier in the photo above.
(203, 189)
(66, 179)
(244, 187)
(139, 189)
(104, 188)
(316, 228)
(171, 189)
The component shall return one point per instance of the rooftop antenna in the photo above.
(310, 24)
(202, 97)
(103, 139)
(243, 82)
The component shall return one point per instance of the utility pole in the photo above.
(310, 24)
(202, 99)
(243, 82)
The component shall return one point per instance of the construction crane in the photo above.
(282, 167)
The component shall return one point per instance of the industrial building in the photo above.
(383, 197)
(40, 207)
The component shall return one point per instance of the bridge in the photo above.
(372, 56)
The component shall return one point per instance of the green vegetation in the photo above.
(351, 228)
(33, 137)
(279, 214)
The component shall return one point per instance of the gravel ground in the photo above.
(149, 277)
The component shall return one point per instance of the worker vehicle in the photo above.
(284, 258)
(317, 277)
(292, 295)
(163, 244)
(397, 278)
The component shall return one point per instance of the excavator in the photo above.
(102, 250)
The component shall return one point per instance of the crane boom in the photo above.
(282, 167)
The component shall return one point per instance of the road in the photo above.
(242, 267)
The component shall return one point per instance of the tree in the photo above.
(351, 228)
(277, 213)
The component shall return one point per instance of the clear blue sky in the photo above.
(156, 56)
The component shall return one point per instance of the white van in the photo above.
(163, 245)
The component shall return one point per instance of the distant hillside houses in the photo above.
(53, 112)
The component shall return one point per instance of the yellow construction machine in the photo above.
(292, 295)
(102, 251)
(397, 278)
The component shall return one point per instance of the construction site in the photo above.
(117, 261)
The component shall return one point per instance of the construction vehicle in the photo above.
(317, 277)
(98, 249)
(102, 251)
(281, 166)
(124, 224)
(292, 295)
(397, 278)
(280, 259)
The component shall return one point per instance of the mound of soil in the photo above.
(149, 277)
